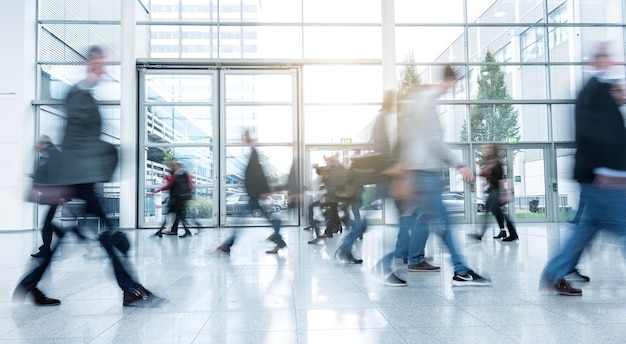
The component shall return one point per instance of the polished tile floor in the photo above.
(303, 296)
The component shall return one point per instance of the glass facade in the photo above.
(316, 68)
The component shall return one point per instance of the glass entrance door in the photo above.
(265, 104)
(197, 117)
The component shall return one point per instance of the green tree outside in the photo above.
(491, 122)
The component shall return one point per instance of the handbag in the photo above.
(505, 196)
(368, 168)
(48, 194)
(402, 185)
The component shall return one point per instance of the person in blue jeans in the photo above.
(423, 155)
(599, 167)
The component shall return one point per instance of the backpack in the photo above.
(180, 190)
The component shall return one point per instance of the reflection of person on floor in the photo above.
(46, 173)
(257, 189)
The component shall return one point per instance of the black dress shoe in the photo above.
(42, 300)
(141, 297)
(41, 254)
(187, 234)
(502, 234)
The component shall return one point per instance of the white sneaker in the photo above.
(469, 278)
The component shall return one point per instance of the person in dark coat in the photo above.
(86, 161)
(257, 188)
(599, 168)
(46, 173)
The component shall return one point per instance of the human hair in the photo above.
(94, 51)
(44, 139)
(449, 73)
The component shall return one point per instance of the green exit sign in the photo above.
(346, 141)
(512, 139)
(518, 179)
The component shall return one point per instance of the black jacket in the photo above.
(255, 180)
(600, 132)
(48, 166)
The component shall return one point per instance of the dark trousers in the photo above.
(48, 229)
(115, 244)
(332, 216)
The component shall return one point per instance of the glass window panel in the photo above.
(528, 82)
(278, 11)
(569, 189)
(495, 122)
(505, 11)
(589, 37)
(563, 122)
(453, 119)
(56, 81)
(78, 37)
(530, 191)
(500, 41)
(197, 41)
(566, 81)
(179, 88)
(342, 42)
(343, 84)
(269, 42)
(276, 162)
(533, 120)
(507, 82)
(259, 88)
(179, 124)
(443, 11)
(198, 161)
(345, 11)
(593, 11)
(194, 10)
(444, 43)
(330, 124)
(80, 10)
(271, 124)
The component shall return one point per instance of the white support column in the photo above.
(388, 35)
(129, 119)
(389, 44)
(18, 75)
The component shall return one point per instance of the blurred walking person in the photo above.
(424, 154)
(180, 186)
(46, 173)
(257, 188)
(86, 161)
(491, 168)
(600, 168)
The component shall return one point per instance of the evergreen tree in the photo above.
(409, 80)
(491, 122)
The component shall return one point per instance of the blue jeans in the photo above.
(430, 212)
(604, 209)
(253, 203)
(358, 226)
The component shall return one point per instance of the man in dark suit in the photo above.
(600, 168)
(86, 161)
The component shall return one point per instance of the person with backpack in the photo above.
(180, 185)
